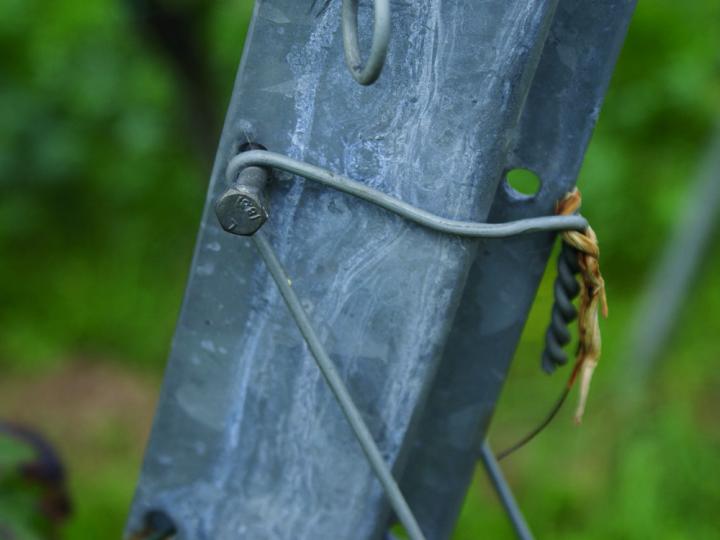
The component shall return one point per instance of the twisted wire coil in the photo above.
(565, 289)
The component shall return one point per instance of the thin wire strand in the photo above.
(539, 428)
(470, 229)
(368, 73)
(329, 371)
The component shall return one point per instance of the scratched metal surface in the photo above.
(555, 128)
(247, 440)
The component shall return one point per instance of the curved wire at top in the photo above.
(471, 229)
(368, 73)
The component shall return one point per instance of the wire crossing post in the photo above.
(248, 440)
(338, 388)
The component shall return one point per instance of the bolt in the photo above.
(241, 209)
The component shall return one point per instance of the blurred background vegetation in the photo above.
(109, 113)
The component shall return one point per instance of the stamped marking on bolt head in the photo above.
(240, 211)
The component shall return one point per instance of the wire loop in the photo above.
(369, 72)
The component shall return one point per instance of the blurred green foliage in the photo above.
(102, 190)
(102, 187)
(18, 499)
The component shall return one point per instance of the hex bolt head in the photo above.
(241, 208)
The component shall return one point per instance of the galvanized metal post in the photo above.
(551, 137)
(248, 441)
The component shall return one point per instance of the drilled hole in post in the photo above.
(157, 526)
(246, 146)
(523, 182)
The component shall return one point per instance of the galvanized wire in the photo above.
(263, 158)
(503, 490)
(471, 229)
(369, 72)
(329, 371)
